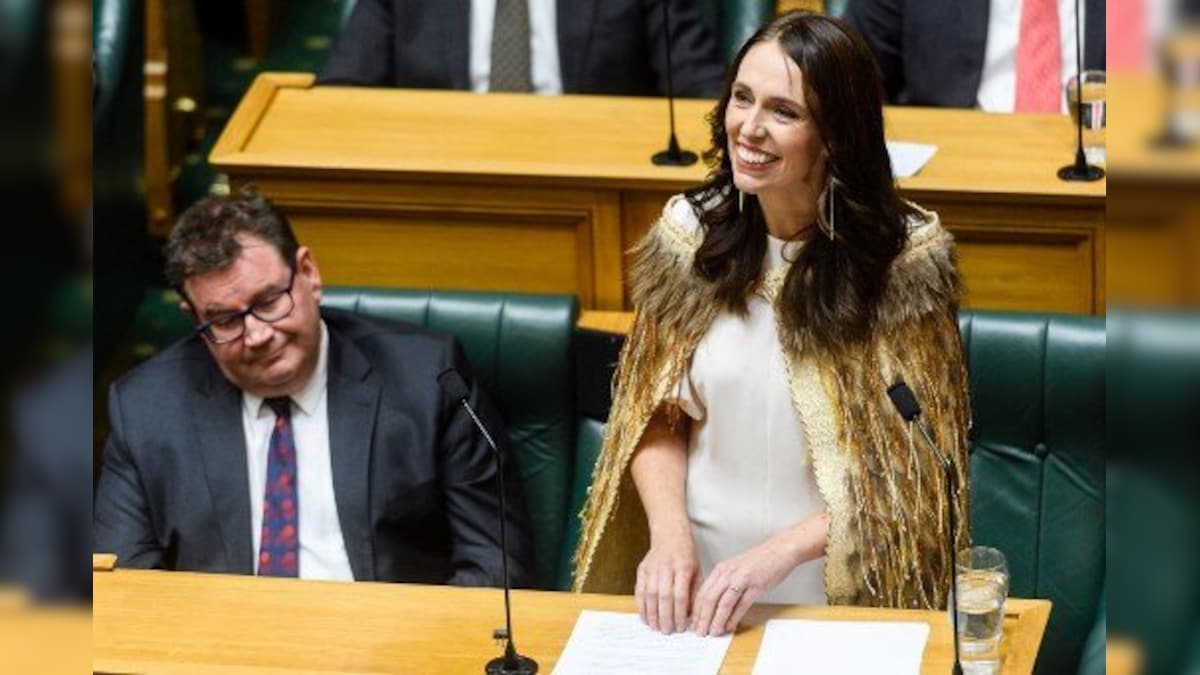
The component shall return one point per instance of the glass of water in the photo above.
(1093, 111)
(982, 588)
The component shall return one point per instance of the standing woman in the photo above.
(752, 453)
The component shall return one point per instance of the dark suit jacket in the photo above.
(413, 480)
(931, 52)
(604, 47)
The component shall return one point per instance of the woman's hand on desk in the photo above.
(734, 584)
(667, 579)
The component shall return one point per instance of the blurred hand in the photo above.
(734, 584)
(666, 582)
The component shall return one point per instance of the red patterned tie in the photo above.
(279, 546)
(1039, 58)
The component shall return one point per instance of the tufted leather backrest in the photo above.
(1038, 462)
(520, 350)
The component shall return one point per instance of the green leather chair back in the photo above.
(1154, 485)
(1038, 463)
(734, 21)
(519, 347)
(112, 23)
(587, 450)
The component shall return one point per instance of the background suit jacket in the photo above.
(604, 47)
(931, 52)
(413, 480)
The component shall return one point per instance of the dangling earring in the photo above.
(741, 201)
(830, 215)
(832, 209)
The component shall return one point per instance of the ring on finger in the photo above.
(737, 589)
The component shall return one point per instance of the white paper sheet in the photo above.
(909, 158)
(605, 643)
(841, 647)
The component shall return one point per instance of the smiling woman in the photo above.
(751, 452)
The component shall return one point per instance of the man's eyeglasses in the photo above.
(225, 328)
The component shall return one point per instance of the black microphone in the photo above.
(906, 404)
(1080, 170)
(672, 156)
(511, 663)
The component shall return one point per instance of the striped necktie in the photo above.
(1039, 58)
(279, 545)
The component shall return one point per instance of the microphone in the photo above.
(511, 663)
(1080, 170)
(906, 404)
(673, 155)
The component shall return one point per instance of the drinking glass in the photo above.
(1094, 112)
(982, 588)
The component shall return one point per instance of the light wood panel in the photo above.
(168, 622)
(369, 159)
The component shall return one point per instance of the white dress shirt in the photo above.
(322, 548)
(545, 71)
(998, 85)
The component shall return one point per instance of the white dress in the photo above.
(749, 473)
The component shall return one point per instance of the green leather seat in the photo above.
(1154, 486)
(1038, 463)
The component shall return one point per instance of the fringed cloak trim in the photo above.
(885, 498)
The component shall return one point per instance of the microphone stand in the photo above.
(673, 155)
(948, 471)
(1080, 170)
(512, 663)
(906, 403)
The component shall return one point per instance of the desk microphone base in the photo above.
(522, 666)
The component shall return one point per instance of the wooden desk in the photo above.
(172, 622)
(545, 193)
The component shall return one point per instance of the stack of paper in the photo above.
(841, 647)
(612, 643)
(909, 158)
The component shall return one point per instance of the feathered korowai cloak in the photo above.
(885, 492)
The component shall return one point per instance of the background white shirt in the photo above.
(322, 548)
(545, 71)
(998, 85)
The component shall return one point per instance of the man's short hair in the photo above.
(204, 238)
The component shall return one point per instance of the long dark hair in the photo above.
(834, 286)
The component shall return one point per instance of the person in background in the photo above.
(286, 439)
(752, 453)
(996, 55)
(613, 47)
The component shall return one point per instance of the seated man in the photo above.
(285, 439)
(613, 47)
(997, 55)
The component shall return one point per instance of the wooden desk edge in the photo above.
(251, 109)
(227, 155)
(1032, 615)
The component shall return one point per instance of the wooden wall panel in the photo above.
(466, 237)
(464, 252)
(1027, 272)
